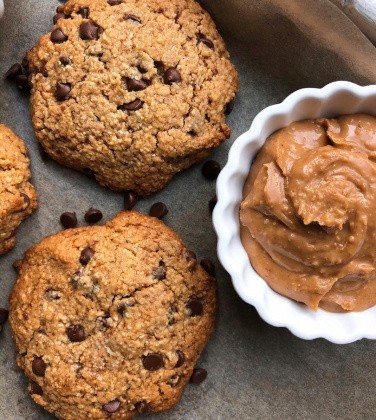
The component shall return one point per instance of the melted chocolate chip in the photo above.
(134, 85)
(39, 366)
(114, 2)
(76, 333)
(26, 200)
(153, 361)
(62, 91)
(205, 41)
(142, 407)
(68, 220)
(84, 12)
(194, 306)
(171, 76)
(132, 106)
(158, 210)
(93, 216)
(208, 266)
(35, 389)
(130, 199)
(64, 60)
(58, 16)
(14, 71)
(58, 36)
(159, 273)
(132, 17)
(89, 31)
(86, 255)
(198, 375)
(112, 406)
(181, 358)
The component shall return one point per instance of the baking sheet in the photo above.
(255, 371)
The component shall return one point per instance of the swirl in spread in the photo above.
(308, 217)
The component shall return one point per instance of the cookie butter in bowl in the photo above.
(296, 213)
(308, 219)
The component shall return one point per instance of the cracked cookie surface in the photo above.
(109, 321)
(18, 198)
(131, 92)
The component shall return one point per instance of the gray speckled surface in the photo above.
(255, 371)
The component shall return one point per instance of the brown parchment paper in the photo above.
(255, 371)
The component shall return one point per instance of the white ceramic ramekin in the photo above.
(334, 99)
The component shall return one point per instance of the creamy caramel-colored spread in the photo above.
(308, 217)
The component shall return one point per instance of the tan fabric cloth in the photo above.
(304, 42)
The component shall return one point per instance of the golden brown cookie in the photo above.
(131, 92)
(111, 319)
(18, 198)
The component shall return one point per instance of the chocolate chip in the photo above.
(64, 60)
(134, 85)
(58, 16)
(211, 169)
(35, 389)
(62, 91)
(141, 69)
(191, 256)
(52, 295)
(160, 67)
(68, 220)
(84, 12)
(181, 358)
(22, 81)
(26, 200)
(58, 36)
(159, 273)
(171, 76)
(39, 366)
(132, 106)
(212, 203)
(194, 306)
(206, 41)
(153, 361)
(89, 30)
(25, 63)
(89, 172)
(76, 333)
(158, 210)
(14, 71)
(198, 375)
(86, 255)
(93, 216)
(174, 381)
(17, 265)
(142, 407)
(112, 406)
(130, 199)
(208, 266)
(4, 314)
(229, 107)
(132, 17)
(113, 2)
(43, 71)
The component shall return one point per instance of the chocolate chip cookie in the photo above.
(111, 319)
(131, 92)
(18, 198)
